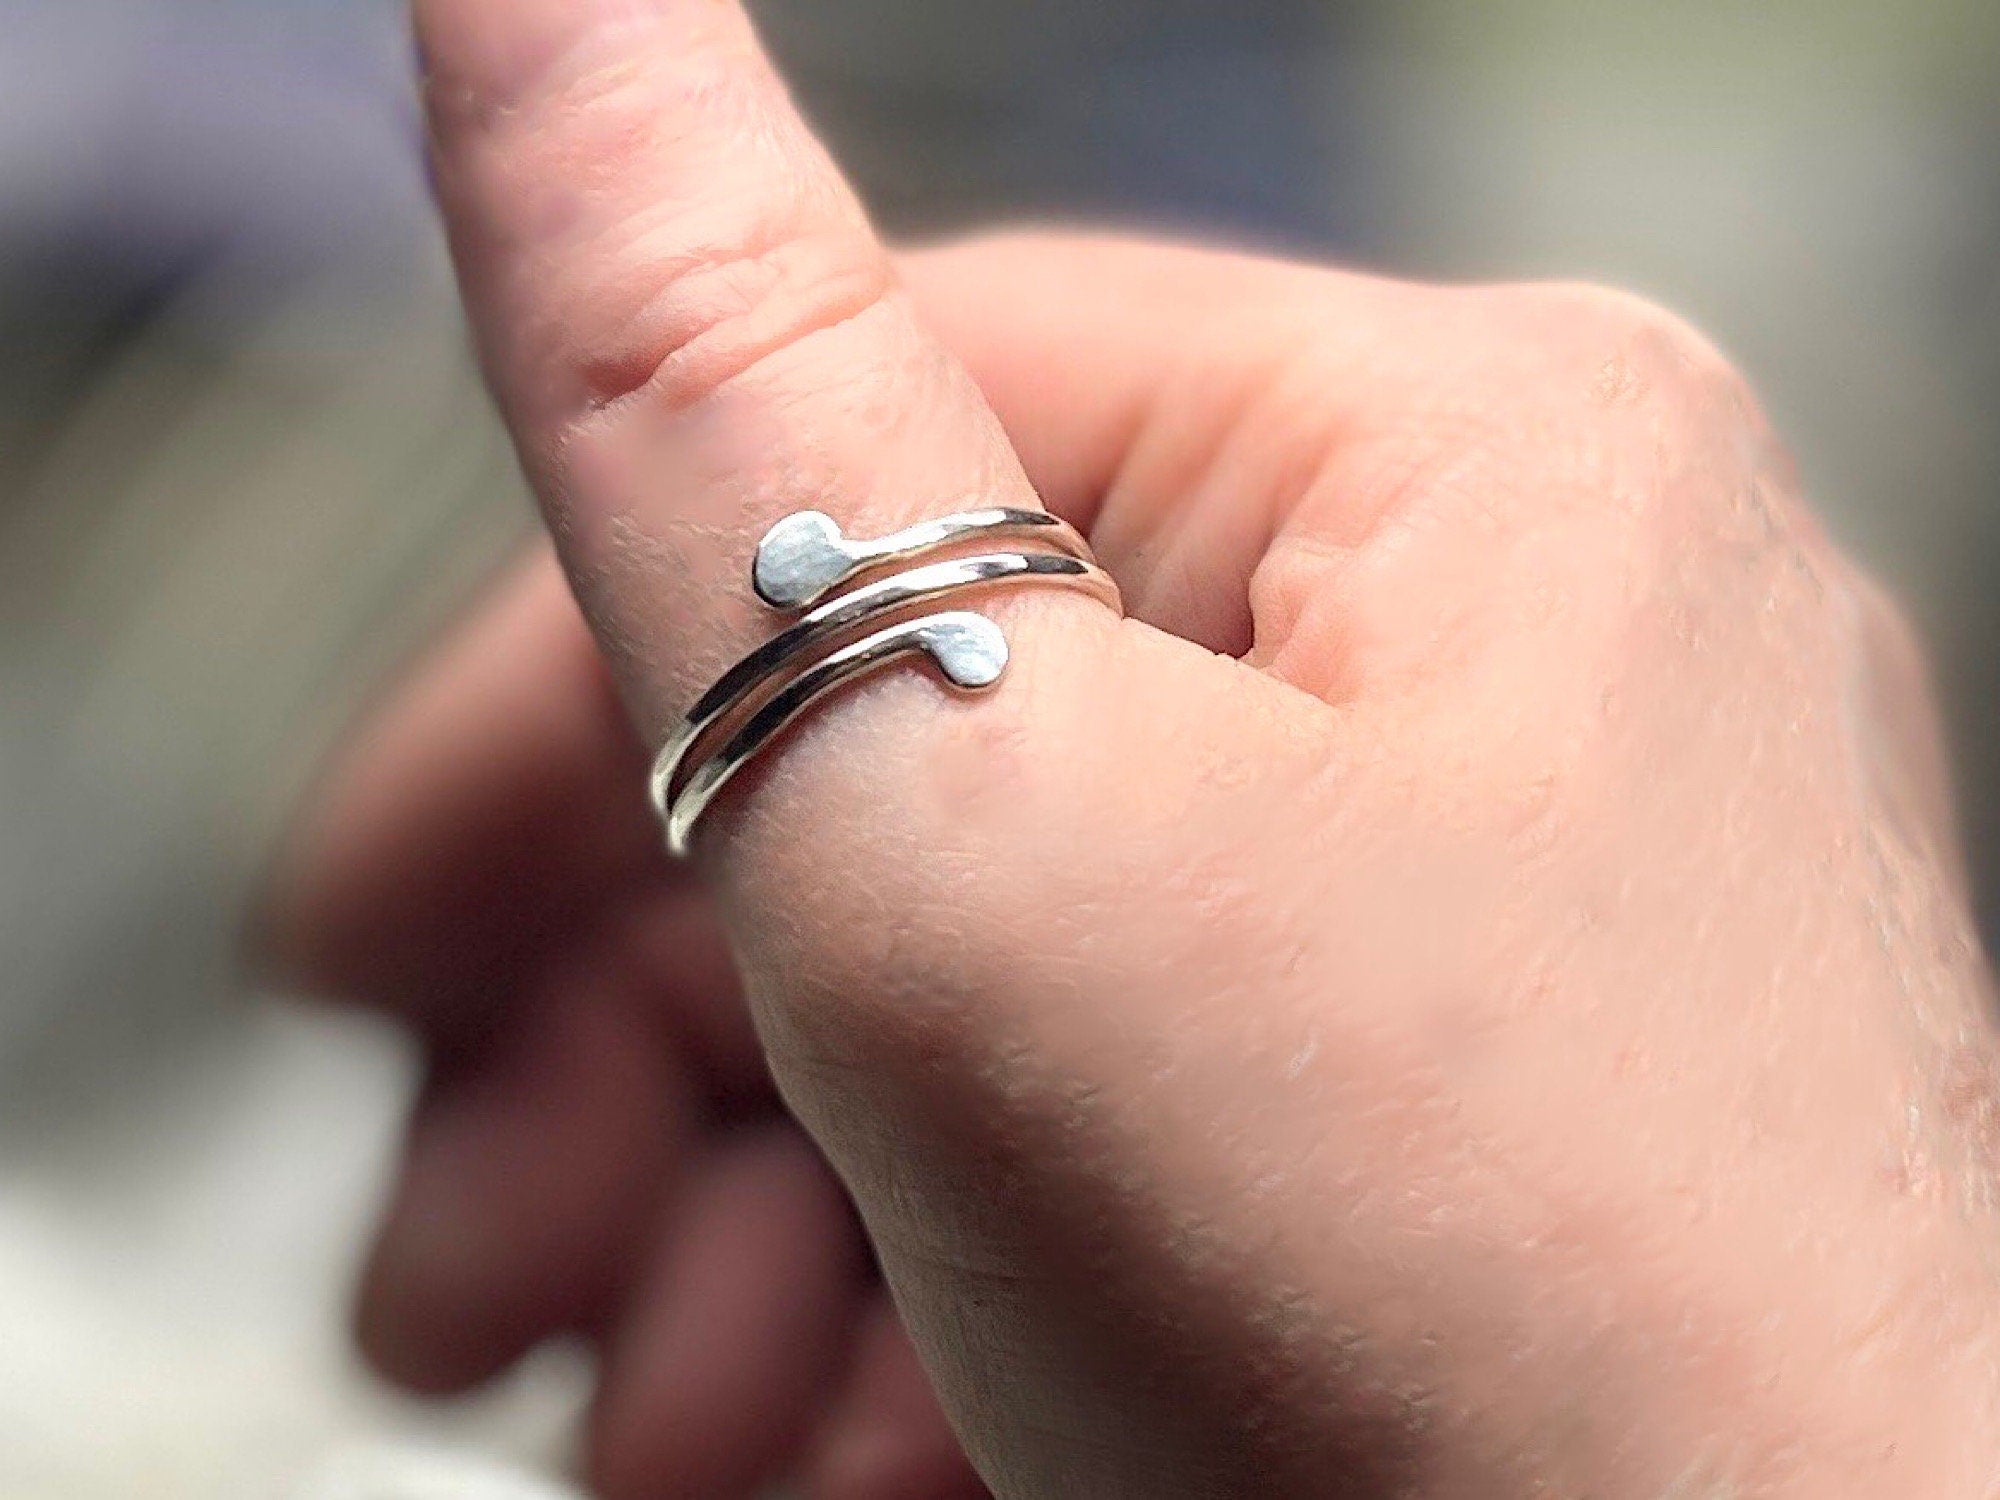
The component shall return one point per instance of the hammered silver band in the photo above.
(849, 625)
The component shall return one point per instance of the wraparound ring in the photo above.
(968, 648)
(806, 556)
(765, 692)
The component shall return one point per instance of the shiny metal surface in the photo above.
(968, 648)
(805, 556)
(801, 560)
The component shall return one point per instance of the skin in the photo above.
(1467, 992)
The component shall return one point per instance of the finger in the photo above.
(1086, 345)
(947, 912)
(470, 823)
(531, 1173)
(631, 195)
(1181, 403)
(687, 318)
(886, 1438)
(477, 828)
(676, 947)
(467, 832)
(735, 1330)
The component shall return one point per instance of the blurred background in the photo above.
(245, 467)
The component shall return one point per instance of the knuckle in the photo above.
(1635, 346)
(1887, 620)
(645, 289)
(1666, 436)
(1888, 641)
(709, 315)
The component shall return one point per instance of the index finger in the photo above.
(686, 316)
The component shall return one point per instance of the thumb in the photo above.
(972, 930)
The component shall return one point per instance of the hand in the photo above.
(1467, 993)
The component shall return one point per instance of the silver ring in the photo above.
(804, 558)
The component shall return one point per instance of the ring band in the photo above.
(837, 618)
(805, 556)
(802, 559)
(968, 648)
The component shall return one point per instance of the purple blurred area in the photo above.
(143, 136)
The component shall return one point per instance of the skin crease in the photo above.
(1467, 992)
